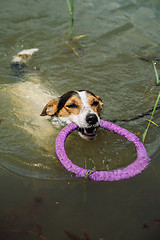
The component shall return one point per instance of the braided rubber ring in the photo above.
(136, 167)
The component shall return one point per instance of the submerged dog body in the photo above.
(81, 107)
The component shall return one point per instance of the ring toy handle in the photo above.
(131, 170)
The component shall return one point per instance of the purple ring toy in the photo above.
(131, 170)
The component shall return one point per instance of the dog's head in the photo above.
(81, 107)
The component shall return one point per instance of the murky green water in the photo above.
(117, 33)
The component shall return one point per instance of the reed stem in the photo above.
(70, 4)
(150, 121)
(156, 73)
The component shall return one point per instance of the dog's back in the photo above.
(27, 98)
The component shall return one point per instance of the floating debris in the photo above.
(76, 237)
(2, 120)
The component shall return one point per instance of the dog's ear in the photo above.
(50, 108)
(100, 102)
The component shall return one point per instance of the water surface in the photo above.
(117, 33)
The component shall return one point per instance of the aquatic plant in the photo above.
(150, 121)
(156, 103)
(156, 73)
(88, 172)
(72, 41)
(70, 4)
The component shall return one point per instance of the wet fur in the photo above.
(81, 107)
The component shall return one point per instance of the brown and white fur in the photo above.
(81, 107)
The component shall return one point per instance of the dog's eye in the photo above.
(95, 103)
(72, 105)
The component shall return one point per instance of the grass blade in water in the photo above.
(156, 73)
(155, 106)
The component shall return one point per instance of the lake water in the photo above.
(37, 194)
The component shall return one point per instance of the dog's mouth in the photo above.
(88, 133)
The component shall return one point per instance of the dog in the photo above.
(81, 107)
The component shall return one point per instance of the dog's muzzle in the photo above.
(90, 132)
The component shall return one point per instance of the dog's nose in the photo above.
(91, 119)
